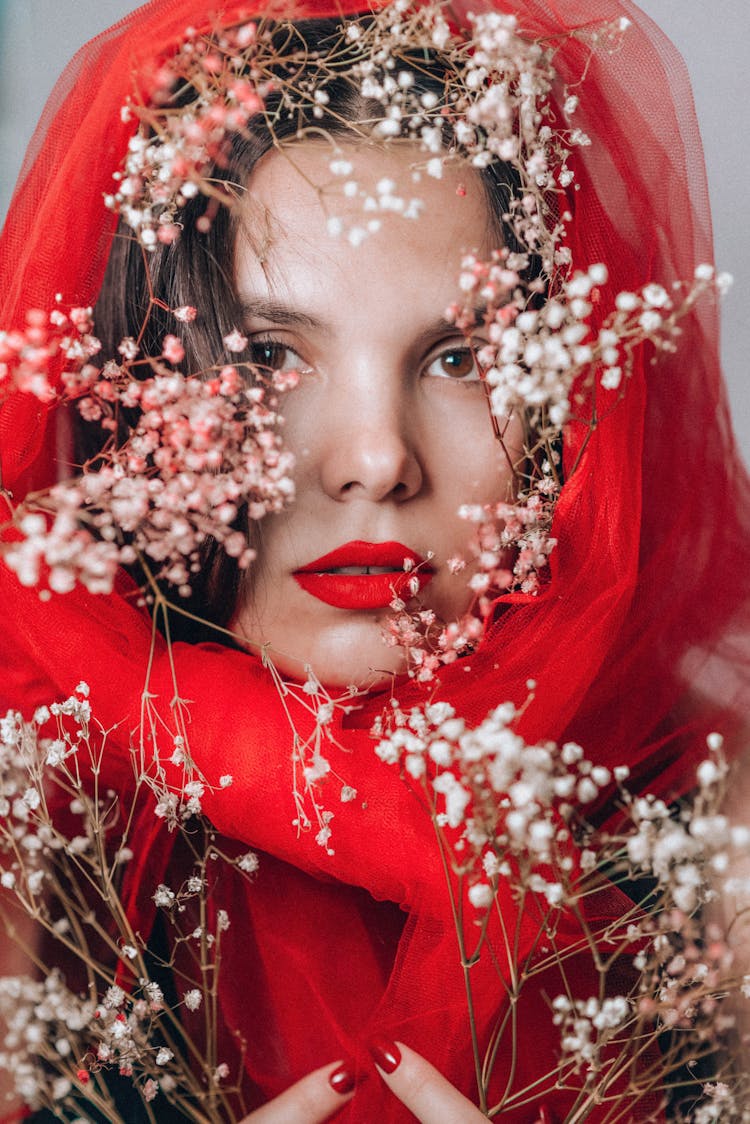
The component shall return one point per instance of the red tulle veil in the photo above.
(637, 645)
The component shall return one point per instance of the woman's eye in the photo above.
(459, 363)
(273, 355)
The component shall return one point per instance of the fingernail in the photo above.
(342, 1080)
(385, 1054)
(545, 1116)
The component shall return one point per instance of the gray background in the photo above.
(37, 37)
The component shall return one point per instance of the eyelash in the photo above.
(261, 346)
(268, 343)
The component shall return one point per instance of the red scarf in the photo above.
(629, 643)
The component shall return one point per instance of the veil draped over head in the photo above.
(637, 643)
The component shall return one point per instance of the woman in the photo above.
(626, 624)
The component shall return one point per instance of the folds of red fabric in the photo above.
(324, 950)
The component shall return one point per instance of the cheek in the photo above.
(302, 431)
(468, 462)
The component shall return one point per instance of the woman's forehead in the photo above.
(363, 202)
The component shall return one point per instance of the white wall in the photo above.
(37, 37)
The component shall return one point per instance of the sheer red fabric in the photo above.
(638, 644)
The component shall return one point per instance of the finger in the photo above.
(423, 1090)
(312, 1100)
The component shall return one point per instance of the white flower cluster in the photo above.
(534, 358)
(58, 1045)
(588, 1025)
(49, 1029)
(43, 1020)
(495, 106)
(687, 850)
(719, 1106)
(538, 357)
(27, 835)
(502, 798)
(509, 117)
(122, 1028)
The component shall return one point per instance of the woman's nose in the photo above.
(370, 451)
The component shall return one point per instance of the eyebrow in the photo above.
(276, 312)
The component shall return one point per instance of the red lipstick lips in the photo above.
(363, 575)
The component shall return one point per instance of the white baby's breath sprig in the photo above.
(500, 800)
(541, 356)
(64, 841)
(512, 814)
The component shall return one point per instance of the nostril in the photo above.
(370, 464)
(398, 491)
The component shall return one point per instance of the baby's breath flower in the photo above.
(248, 862)
(193, 999)
(481, 895)
(235, 341)
(163, 897)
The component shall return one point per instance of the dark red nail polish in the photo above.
(545, 1116)
(342, 1080)
(385, 1054)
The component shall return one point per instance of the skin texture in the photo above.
(389, 422)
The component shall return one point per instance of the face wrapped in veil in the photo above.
(631, 628)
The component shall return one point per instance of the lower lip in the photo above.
(361, 591)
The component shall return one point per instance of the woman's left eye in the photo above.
(275, 355)
(458, 363)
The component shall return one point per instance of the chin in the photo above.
(344, 658)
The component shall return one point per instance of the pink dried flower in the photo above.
(30, 357)
(185, 314)
(172, 349)
(235, 341)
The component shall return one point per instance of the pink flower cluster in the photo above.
(30, 357)
(202, 452)
(171, 157)
(510, 554)
(513, 543)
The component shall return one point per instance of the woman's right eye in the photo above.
(273, 355)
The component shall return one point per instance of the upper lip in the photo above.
(390, 554)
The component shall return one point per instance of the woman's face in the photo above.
(389, 422)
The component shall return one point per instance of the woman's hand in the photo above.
(416, 1083)
(316, 1097)
(419, 1086)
